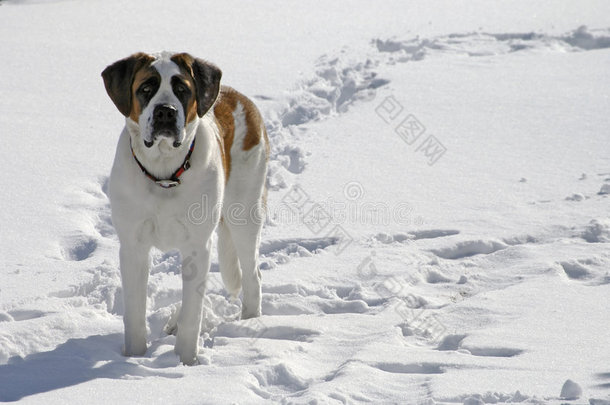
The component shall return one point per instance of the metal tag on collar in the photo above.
(167, 183)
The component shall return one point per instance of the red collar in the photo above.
(174, 180)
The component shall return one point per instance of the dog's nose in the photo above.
(165, 114)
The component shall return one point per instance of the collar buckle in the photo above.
(167, 183)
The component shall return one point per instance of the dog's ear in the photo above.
(118, 78)
(207, 80)
(207, 77)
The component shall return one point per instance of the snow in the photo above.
(438, 224)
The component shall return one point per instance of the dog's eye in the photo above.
(181, 89)
(146, 89)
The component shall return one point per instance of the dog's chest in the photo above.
(163, 219)
(168, 221)
(164, 230)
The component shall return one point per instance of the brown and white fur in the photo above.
(224, 186)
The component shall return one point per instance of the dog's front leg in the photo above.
(134, 274)
(195, 267)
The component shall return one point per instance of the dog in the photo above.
(191, 158)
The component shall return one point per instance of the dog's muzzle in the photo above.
(164, 124)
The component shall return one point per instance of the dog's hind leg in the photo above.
(244, 213)
(246, 238)
(227, 260)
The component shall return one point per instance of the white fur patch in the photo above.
(165, 95)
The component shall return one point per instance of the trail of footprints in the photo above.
(339, 82)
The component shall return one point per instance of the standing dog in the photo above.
(189, 146)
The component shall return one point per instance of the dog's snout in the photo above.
(165, 114)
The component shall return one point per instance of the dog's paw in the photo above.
(187, 357)
(248, 314)
(186, 349)
(134, 349)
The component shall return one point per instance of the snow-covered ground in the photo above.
(439, 205)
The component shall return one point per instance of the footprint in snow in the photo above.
(280, 251)
(575, 270)
(465, 249)
(405, 237)
(79, 247)
(410, 368)
(19, 315)
(456, 343)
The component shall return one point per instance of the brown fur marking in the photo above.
(184, 62)
(254, 122)
(140, 76)
(118, 79)
(223, 111)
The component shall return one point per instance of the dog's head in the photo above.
(162, 94)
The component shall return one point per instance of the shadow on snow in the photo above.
(71, 363)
